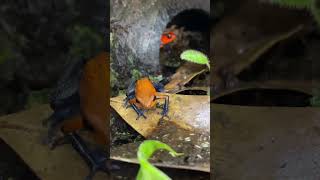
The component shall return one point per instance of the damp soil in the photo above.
(195, 146)
(12, 166)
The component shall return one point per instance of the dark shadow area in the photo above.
(192, 20)
(38, 39)
(174, 173)
(192, 30)
(193, 92)
(12, 166)
(265, 97)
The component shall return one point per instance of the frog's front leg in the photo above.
(54, 124)
(158, 86)
(96, 160)
(166, 103)
(135, 105)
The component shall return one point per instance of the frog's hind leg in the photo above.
(97, 160)
(134, 104)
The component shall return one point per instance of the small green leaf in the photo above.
(147, 171)
(195, 57)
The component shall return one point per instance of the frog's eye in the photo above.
(169, 36)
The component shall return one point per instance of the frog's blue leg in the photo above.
(166, 104)
(138, 111)
(135, 108)
(158, 86)
(96, 160)
(130, 93)
(54, 123)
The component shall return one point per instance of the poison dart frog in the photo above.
(143, 95)
(80, 101)
(167, 38)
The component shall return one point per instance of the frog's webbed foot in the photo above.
(96, 160)
(126, 102)
(138, 111)
(54, 136)
(165, 108)
(54, 123)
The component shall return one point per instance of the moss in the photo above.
(156, 79)
(122, 92)
(113, 78)
(6, 50)
(111, 39)
(130, 60)
(37, 97)
(85, 42)
(311, 5)
(136, 74)
(5, 54)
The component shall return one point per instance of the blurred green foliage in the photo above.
(311, 5)
(136, 74)
(37, 98)
(6, 49)
(85, 42)
(315, 100)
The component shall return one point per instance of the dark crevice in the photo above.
(266, 97)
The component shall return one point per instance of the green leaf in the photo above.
(195, 57)
(147, 171)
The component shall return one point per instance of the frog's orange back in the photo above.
(145, 92)
(94, 95)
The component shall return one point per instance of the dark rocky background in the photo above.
(38, 38)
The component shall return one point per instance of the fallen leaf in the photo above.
(194, 145)
(183, 75)
(23, 131)
(247, 33)
(186, 111)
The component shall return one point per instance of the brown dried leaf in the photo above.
(183, 75)
(188, 112)
(249, 32)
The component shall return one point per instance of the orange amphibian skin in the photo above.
(94, 102)
(167, 38)
(145, 93)
(145, 96)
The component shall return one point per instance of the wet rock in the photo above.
(136, 28)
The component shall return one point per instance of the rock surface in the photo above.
(136, 27)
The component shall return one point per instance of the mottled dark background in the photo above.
(38, 38)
